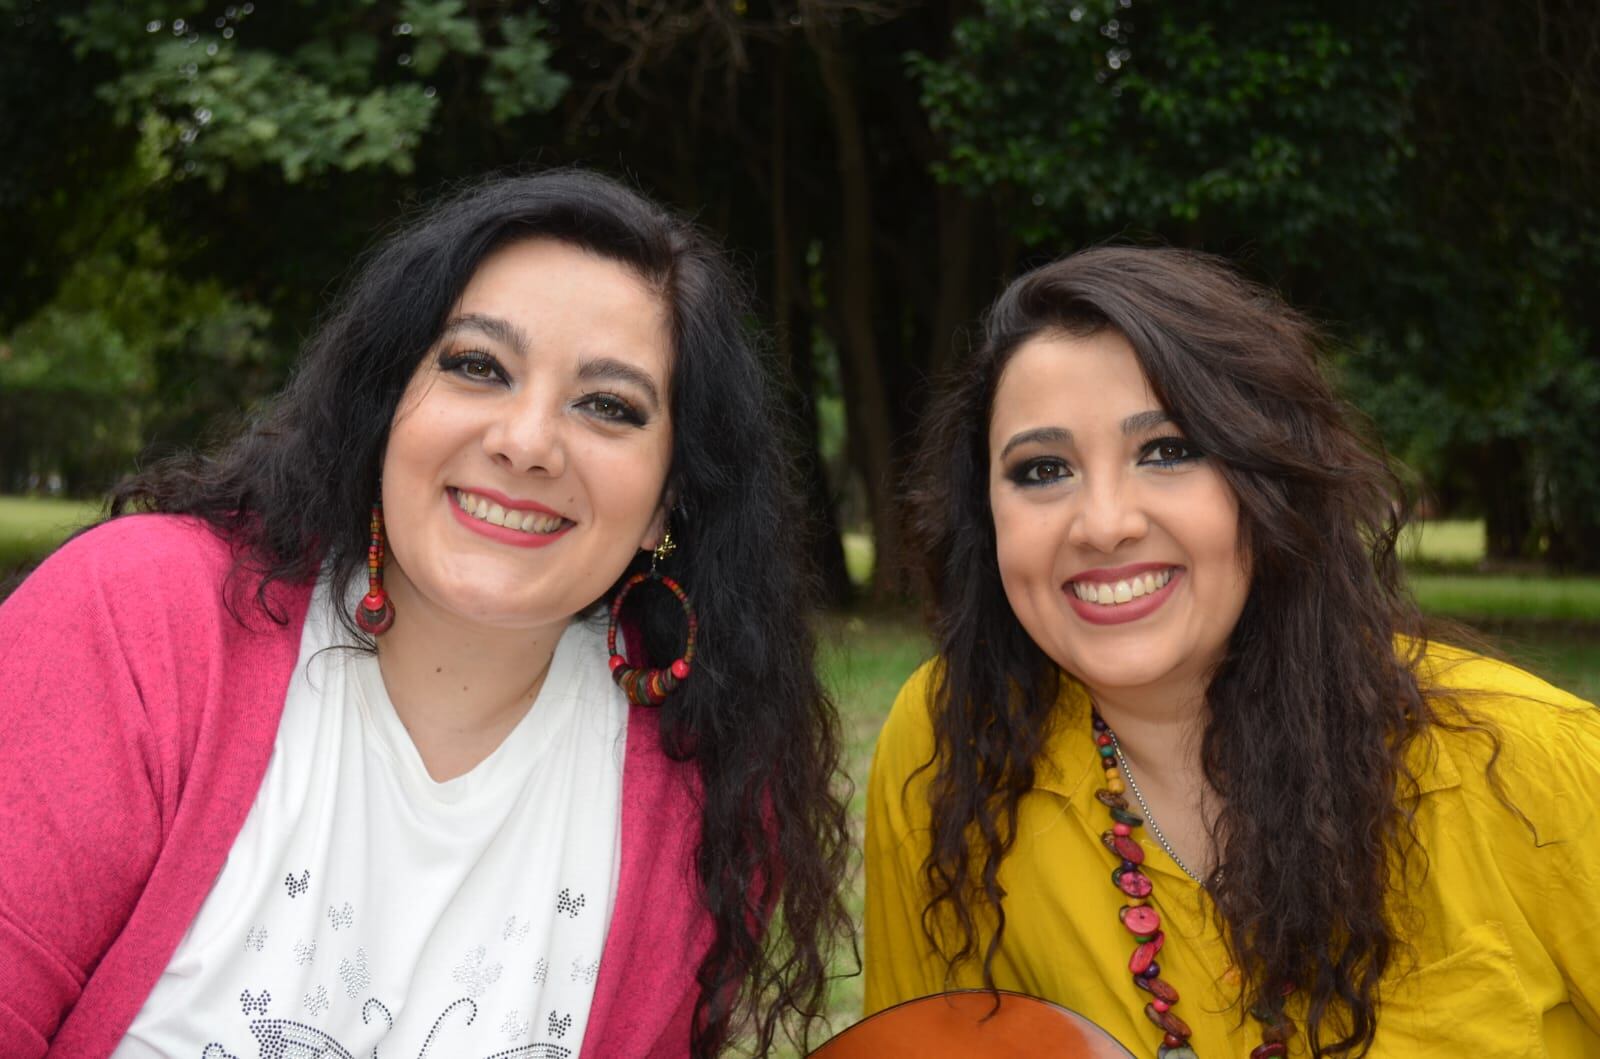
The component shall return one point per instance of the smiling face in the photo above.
(1118, 541)
(528, 458)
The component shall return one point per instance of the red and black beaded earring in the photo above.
(646, 686)
(375, 612)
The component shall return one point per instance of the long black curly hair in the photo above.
(1310, 713)
(295, 489)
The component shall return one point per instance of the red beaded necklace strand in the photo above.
(1144, 922)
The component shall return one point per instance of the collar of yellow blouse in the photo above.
(1070, 757)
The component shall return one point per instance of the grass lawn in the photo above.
(1498, 597)
(864, 660)
(30, 527)
(1447, 542)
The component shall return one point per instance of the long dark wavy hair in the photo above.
(295, 489)
(1310, 713)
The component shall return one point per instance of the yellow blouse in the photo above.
(1504, 932)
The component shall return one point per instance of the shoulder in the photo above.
(906, 742)
(909, 726)
(1502, 727)
(134, 558)
(123, 574)
(1527, 711)
(171, 572)
(148, 603)
(1455, 670)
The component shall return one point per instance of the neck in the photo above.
(1159, 734)
(459, 688)
(1159, 729)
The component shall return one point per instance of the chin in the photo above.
(1126, 669)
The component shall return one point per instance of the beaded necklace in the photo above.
(1144, 922)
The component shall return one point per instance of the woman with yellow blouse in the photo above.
(1186, 761)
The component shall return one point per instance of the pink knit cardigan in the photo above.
(137, 716)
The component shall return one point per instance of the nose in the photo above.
(525, 436)
(1108, 515)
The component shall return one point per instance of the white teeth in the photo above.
(1119, 592)
(496, 515)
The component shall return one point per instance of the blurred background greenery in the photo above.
(183, 183)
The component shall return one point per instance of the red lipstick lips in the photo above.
(514, 537)
(1120, 613)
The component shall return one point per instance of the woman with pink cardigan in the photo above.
(463, 705)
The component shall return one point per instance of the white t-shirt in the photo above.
(363, 902)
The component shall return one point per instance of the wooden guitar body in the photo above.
(967, 1024)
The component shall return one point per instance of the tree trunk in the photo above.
(954, 313)
(867, 408)
(791, 318)
(1507, 495)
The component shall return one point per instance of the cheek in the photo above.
(1026, 544)
(1218, 541)
(1219, 531)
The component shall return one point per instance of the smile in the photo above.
(1116, 593)
(1122, 594)
(481, 508)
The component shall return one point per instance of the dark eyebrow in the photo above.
(1039, 435)
(502, 331)
(509, 334)
(1137, 423)
(617, 371)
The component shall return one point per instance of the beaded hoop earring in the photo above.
(646, 686)
(375, 612)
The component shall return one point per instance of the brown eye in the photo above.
(1168, 452)
(1040, 472)
(611, 408)
(472, 364)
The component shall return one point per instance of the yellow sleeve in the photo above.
(900, 964)
(1555, 869)
(1549, 768)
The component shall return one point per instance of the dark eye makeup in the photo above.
(1169, 452)
(472, 364)
(1041, 470)
(1163, 452)
(608, 406)
(480, 366)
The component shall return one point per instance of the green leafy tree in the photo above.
(193, 179)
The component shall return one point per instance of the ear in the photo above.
(655, 531)
(657, 527)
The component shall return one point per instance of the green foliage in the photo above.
(439, 28)
(110, 363)
(348, 88)
(240, 110)
(520, 79)
(139, 315)
(1203, 117)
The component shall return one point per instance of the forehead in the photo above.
(1080, 383)
(556, 289)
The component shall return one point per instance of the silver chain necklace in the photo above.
(1149, 817)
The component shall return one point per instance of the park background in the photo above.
(183, 185)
